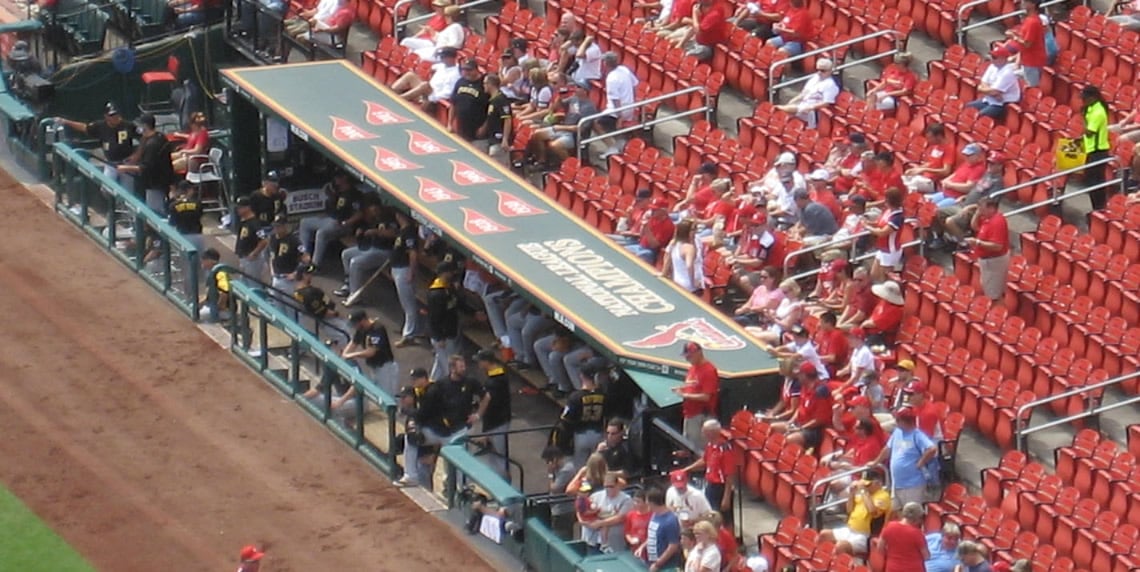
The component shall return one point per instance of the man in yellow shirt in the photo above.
(868, 501)
(1097, 146)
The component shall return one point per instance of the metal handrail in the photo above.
(962, 27)
(823, 246)
(814, 509)
(507, 446)
(399, 26)
(1117, 182)
(921, 244)
(773, 87)
(1021, 433)
(643, 122)
(1051, 176)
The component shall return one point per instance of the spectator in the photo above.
(150, 163)
(927, 413)
(439, 87)
(787, 314)
(814, 412)
(903, 543)
(882, 176)
(656, 232)
(972, 557)
(427, 44)
(764, 300)
(869, 502)
(904, 374)
(883, 323)
(720, 463)
(703, 190)
(520, 47)
(710, 28)
(794, 30)
(375, 239)
(615, 449)
(760, 17)
(636, 526)
(116, 137)
(250, 559)
(560, 356)
(801, 349)
(196, 146)
(845, 160)
(436, 23)
(621, 89)
(861, 363)
(943, 549)
(937, 161)
(730, 556)
(443, 319)
(586, 65)
(896, 81)
(342, 212)
(1128, 128)
(704, 556)
(964, 177)
(700, 393)
(863, 439)
(1128, 16)
(991, 247)
(593, 471)
(675, 27)
(559, 470)
(790, 395)
(514, 81)
(683, 263)
(189, 13)
(998, 86)
(684, 501)
(612, 505)
(821, 90)
(539, 100)
(886, 233)
(560, 139)
(780, 183)
(830, 288)
(328, 31)
(1095, 112)
(628, 230)
(831, 344)
(1029, 39)
(285, 254)
(908, 450)
(820, 190)
(663, 547)
(450, 406)
(951, 223)
(858, 301)
(816, 224)
(469, 103)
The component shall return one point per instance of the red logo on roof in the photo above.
(389, 161)
(433, 192)
(512, 206)
(379, 115)
(476, 223)
(348, 131)
(464, 174)
(421, 144)
(697, 330)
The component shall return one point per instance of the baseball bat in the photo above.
(360, 291)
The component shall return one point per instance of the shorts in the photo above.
(563, 139)
(857, 541)
(889, 259)
(994, 272)
(813, 436)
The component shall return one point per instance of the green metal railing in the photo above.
(123, 225)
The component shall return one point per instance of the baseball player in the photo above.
(318, 307)
(115, 134)
(370, 344)
(286, 254)
(342, 212)
(269, 200)
(251, 241)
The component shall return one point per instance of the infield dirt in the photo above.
(148, 447)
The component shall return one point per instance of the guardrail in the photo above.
(1052, 176)
(774, 87)
(126, 228)
(815, 510)
(1118, 183)
(1022, 433)
(961, 26)
(853, 240)
(399, 26)
(644, 124)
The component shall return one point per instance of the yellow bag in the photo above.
(1070, 153)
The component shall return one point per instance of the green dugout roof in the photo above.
(590, 285)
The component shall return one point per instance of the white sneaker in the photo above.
(405, 482)
(255, 352)
(225, 221)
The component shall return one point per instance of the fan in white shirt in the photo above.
(437, 88)
(621, 88)
(589, 58)
(451, 36)
(999, 85)
(821, 90)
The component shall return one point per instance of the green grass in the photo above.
(29, 545)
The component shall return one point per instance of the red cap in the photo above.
(997, 157)
(857, 332)
(761, 217)
(690, 347)
(833, 268)
(250, 553)
(915, 387)
(808, 368)
(906, 413)
(660, 203)
(859, 400)
(1001, 52)
(679, 477)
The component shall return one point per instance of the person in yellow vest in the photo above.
(1096, 144)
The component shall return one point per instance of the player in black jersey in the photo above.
(269, 200)
(497, 417)
(579, 430)
(321, 316)
(286, 253)
(251, 241)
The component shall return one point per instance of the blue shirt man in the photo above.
(663, 547)
(943, 548)
(910, 450)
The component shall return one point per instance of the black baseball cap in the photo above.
(280, 220)
(242, 201)
(273, 176)
(418, 373)
(304, 268)
(444, 267)
(110, 109)
(356, 317)
(470, 64)
(486, 355)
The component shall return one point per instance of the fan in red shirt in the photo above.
(759, 17)
(700, 393)
(711, 28)
(819, 191)
(902, 542)
(845, 160)
(991, 247)
(831, 343)
(656, 232)
(886, 232)
(863, 437)
(720, 463)
(884, 320)
(937, 161)
(927, 412)
(629, 228)
(884, 176)
(896, 81)
(1029, 39)
(636, 528)
(859, 301)
(794, 31)
(814, 412)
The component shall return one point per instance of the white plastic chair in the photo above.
(208, 171)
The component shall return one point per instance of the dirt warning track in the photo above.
(148, 447)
